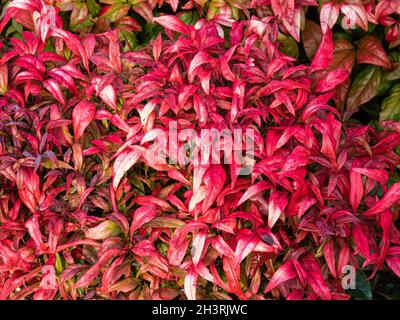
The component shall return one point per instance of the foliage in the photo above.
(87, 87)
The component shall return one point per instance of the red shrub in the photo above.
(81, 192)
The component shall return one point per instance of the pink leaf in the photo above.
(356, 14)
(32, 224)
(198, 246)
(190, 284)
(199, 59)
(122, 164)
(172, 23)
(283, 9)
(222, 247)
(104, 230)
(328, 15)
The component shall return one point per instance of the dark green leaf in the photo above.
(363, 287)
(391, 105)
(364, 87)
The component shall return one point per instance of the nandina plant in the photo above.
(102, 196)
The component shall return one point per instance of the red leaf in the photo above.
(32, 224)
(114, 52)
(323, 57)
(379, 175)
(315, 277)
(28, 184)
(370, 51)
(329, 254)
(393, 263)
(244, 246)
(390, 198)
(91, 274)
(361, 240)
(253, 190)
(333, 79)
(141, 216)
(157, 46)
(53, 87)
(55, 229)
(277, 204)
(283, 274)
(356, 190)
(344, 257)
(82, 115)
(214, 181)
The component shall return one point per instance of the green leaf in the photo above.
(59, 264)
(164, 222)
(395, 56)
(289, 46)
(138, 183)
(150, 31)
(104, 230)
(93, 7)
(365, 86)
(189, 17)
(391, 105)
(363, 287)
(395, 74)
(343, 55)
(15, 27)
(130, 38)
